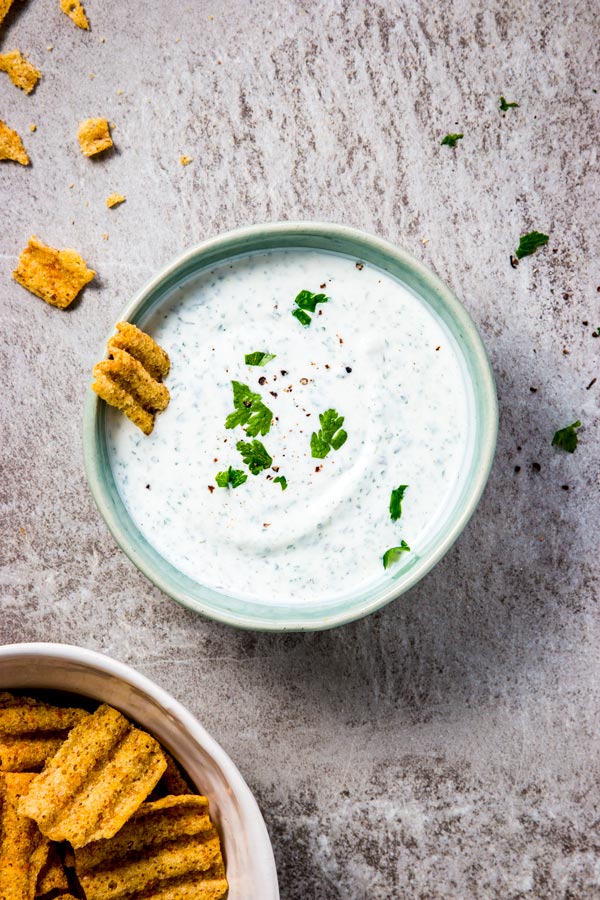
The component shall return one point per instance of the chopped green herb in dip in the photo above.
(566, 438)
(306, 300)
(529, 243)
(330, 435)
(250, 411)
(504, 105)
(392, 555)
(282, 480)
(396, 502)
(258, 358)
(451, 139)
(231, 478)
(255, 456)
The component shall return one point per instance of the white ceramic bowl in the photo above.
(246, 846)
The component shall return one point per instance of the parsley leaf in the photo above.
(451, 139)
(396, 502)
(504, 105)
(529, 243)
(392, 555)
(249, 411)
(566, 438)
(254, 455)
(308, 300)
(282, 480)
(302, 317)
(258, 359)
(329, 436)
(231, 477)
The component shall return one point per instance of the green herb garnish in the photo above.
(231, 477)
(451, 139)
(306, 300)
(396, 502)
(302, 317)
(566, 438)
(529, 243)
(258, 359)
(282, 480)
(329, 436)
(254, 455)
(250, 411)
(392, 555)
(504, 105)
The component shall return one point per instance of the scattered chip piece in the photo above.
(31, 732)
(94, 136)
(76, 13)
(114, 200)
(169, 850)
(19, 70)
(5, 5)
(11, 145)
(33, 127)
(130, 378)
(56, 276)
(98, 778)
(23, 850)
(52, 876)
(186, 160)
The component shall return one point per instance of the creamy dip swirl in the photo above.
(375, 353)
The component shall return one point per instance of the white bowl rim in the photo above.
(264, 859)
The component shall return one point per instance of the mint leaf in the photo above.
(308, 300)
(566, 438)
(529, 243)
(504, 105)
(392, 555)
(250, 411)
(254, 455)
(231, 477)
(282, 480)
(451, 139)
(329, 436)
(302, 317)
(258, 359)
(396, 502)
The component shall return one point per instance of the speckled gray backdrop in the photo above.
(448, 746)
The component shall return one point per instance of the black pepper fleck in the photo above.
(517, 468)
(147, 487)
(273, 393)
(348, 369)
(262, 380)
(533, 390)
(211, 487)
(514, 261)
(536, 467)
(284, 372)
(323, 286)
(565, 487)
(359, 266)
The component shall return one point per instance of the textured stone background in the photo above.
(448, 746)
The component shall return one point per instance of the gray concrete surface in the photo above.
(448, 746)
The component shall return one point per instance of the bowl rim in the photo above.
(486, 434)
(100, 662)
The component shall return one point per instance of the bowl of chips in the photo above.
(110, 788)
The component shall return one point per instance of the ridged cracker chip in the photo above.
(20, 71)
(75, 11)
(23, 850)
(98, 778)
(94, 136)
(169, 850)
(142, 347)
(57, 276)
(31, 732)
(11, 145)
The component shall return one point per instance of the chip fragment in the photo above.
(20, 71)
(23, 850)
(52, 876)
(169, 850)
(11, 145)
(31, 732)
(98, 778)
(56, 276)
(75, 11)
(94, 136)
(115, 200)
(130, 378)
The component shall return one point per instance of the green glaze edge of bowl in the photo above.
(369, 249)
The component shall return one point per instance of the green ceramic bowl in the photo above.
(417, 278)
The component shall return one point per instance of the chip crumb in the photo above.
(11, 145)
(114, 200)
(49, 48)
(105, 236)
(72, 185)
(92, 76)
(119, 92)
(57, 276)
(33, 127)
(75, 11)
(22, 74)
(102, 39)
(186, 160)
(94, 136)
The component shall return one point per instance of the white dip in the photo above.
(406, 404)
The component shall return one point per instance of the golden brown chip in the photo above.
(19, 70)
(98, 778)
(5, 5)
(169, 849)
(23, 850)
(31, 732)
(142, 347)
(56, 276)
(186, 160)
(173, 782)
(11, 145)
(94, 136)
(115, 200)
(75, 12)
(53, 876)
